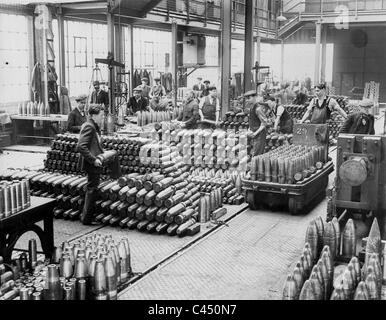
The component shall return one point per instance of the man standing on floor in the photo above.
(199, 86)
(138, 102)
(189, 115)
(257, 123)
(209, 109)
(361, 122)
(99, 96)
(77, 116)
(89, 147)
(145, 88)
(321, 107)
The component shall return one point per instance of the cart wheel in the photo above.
(251, 200)
(295, 206)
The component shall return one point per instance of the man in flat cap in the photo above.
(199, 86)
(283, 122)
(137, 102)
(205, 92)
(258, 123)
(99, 96)
(77, 116)
(145, 87)
(158, 89)
(361, 122)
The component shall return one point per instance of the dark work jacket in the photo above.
(75, 121)
(354, 124)
(99, 98)
(190, 114)
(135, 106)
(89, 146)
(199, 87)
(301, 99)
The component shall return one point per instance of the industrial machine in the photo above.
(359, 191)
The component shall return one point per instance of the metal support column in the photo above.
(130, 51)
(248, 49)
(282, 62)
(62, 64)
(324, 53)
(318, 29)
(111, 49)
(174, 61)
(226, 49)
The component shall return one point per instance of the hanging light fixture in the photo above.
(281, 18)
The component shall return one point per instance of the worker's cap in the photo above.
(251, 93)
(81, 98)
(211, 88)
(137, 89)
(206, 81)
(199, 78)
(321, 86)
(157, 79)
(145, 79)
(96, 83)
(366, 103)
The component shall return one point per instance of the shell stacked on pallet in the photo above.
(296, 111)
(14, 197)
(235, 121)
(326, 241)
(147, 117)
(213, 149)
(64, 158)
(230, 183)
(128, 150)
(153, 203)
(275, 140)
(288, 164)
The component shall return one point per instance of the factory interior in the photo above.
(204, 150)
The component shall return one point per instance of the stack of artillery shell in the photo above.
(64, 156)
(235, 121)
(213, 149)
(288, 164)
(274, 141)
(310, 280)
(151, 203)
(14, 197)
(296, 111)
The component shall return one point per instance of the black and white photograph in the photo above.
(194, 155)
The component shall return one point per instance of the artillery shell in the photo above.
(338, 294)
(361, 292)
(348, 285)
(320, 227)
(312, 239)
(290, 290)
(307, 292)
(355, 263)
(81, 289)
(111, 279)
(324, 274)
(306, 266)
(349, 240)
(54, 288)
(329, 239)
(298, 278)
(316, 284)
(100, 282)
(371, 284)
(374, 241)
(335, 223)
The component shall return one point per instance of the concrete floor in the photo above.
(247, 258)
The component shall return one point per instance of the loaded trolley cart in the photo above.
(293, 176)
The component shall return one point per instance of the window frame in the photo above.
(76, 64)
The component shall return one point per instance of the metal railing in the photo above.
(210, 10)
(324, 6)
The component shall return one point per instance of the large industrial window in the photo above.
(80, 51)
(148, 51)
(14, 58)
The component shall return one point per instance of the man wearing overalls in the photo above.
(209, 109)
(321, 107)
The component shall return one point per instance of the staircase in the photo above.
(291, 27)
